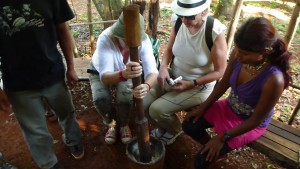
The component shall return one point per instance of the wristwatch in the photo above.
(226, 136)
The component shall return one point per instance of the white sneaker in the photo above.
(111, 134)
(125, 134)
(157, 133)
(168, 138)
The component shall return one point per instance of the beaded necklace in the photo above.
(256, 68)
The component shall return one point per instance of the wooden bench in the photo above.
(280, 142)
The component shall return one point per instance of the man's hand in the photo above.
(72, 78)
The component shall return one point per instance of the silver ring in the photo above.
(131, 68)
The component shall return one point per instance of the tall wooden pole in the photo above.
(233, 24)
(92, 38)
(133, 41)
(294, 22)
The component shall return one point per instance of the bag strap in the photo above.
(177, 25)
(208, 32)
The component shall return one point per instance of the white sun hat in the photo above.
(189, 7)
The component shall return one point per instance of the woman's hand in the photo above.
(182, 85)
(162, 76)
(213, 146)
(140, 91)
(133, 69)
(196, 112)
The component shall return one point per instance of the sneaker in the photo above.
(57, 166)
(77, 151)
(111, 135)
(4, 164)
(157, 133)
(125, 134)
(168, 138)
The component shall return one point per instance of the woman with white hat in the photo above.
(111, 68)
(189, 57)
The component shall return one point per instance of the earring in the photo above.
(269, 50)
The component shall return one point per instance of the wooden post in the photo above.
(233, 24)
(294, 22)
(296, 109)
(133, 40)
(92, 38)
(75, 50)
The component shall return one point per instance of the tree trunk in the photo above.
(108, 9)
(294, 22)
(111, 10)
(234, 23)
(225, 8)
(150, 11)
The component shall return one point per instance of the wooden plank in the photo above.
(285, 127)
(284, 133)
(282, 141)
(81, 66)
(276, 151)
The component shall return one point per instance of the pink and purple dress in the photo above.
(239, 106)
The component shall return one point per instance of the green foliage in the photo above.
(83, 16)
(285, 113)
(286, 108)
(270, 166)
(97, 31)
(166, 12)
(296, 69)
(75, 33)
(279, 25)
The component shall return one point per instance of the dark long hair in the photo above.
(258, 34)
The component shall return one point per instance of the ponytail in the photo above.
(280, 58)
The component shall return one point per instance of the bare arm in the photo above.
(167, 57)
(218, 91)
(218, 54)
(65, 42)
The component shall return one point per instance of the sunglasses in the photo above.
(192, 17)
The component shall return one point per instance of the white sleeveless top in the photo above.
(192, 56)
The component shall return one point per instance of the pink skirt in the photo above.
(223, 118)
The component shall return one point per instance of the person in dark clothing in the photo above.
(32, 68)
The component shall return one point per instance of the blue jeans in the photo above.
(103, 101)
(29, 110)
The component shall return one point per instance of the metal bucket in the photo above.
(157, 150)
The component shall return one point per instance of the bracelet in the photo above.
(148, 86)
(226, 137)
(195, 82)
(121, 77)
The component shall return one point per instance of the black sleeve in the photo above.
(62, 12)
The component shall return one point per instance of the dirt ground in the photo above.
(99, 155)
